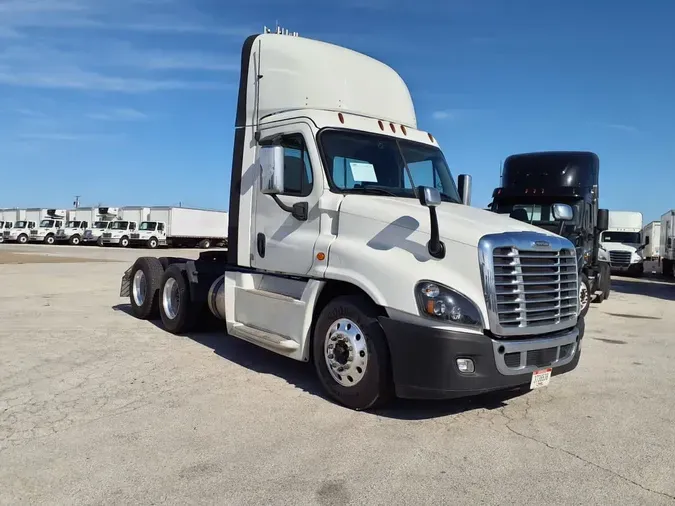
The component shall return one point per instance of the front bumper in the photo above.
(424, 359)
(636, 267)
(110, 240)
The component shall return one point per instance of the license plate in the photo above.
(540, 378)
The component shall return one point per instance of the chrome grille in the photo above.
(530, 283)
(619, 258)
(135, 236)
(107, 234)
(6, 233)
(33, 232)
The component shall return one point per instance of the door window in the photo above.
(297, 167)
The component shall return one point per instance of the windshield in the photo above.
(533, 213)
(625, 237)
(119, 225)
(101, 224)
(148, 225)
(20, 224)
(8, 224)
(364, 163)
(73, 224)
(46, 223)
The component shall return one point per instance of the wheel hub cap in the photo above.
(345, 352)
(138, 289)
(583, 296)
(171, 298)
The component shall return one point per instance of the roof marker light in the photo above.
(341, 118)
(393, 128)
(403, 130)
(379, 122)
(431, 137)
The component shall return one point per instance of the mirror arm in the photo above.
(299, 210)
(435, 245)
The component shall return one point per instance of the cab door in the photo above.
(281, 241)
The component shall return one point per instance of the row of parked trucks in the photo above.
(151, 227)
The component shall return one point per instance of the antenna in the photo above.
(501, 172)
(76, 204)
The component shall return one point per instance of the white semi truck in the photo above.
(621, 243)
(119, 232)
(26, 220)
(78, 222)
(51, 221)
(667, 243)
(651, 237)
(181, 226)
(351, 246)
(105, 215)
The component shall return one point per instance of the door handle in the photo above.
(260, 240)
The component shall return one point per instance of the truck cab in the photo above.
(104, 216)
(46, 230)
(19, 232)
(118, 233)
(150, 233)
(621, 244)
(4, 225)
(72, 232)
(352, 246)
(533, 183)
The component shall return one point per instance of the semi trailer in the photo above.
(51, 221)
(336, 255)
(532, 183)
(622, 243)
(119, 231)
(667, 243)
(78, 222)
(181, 226)
(651, 237)
(105, 215)
(25, 221)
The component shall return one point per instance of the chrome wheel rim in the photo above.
(583, 296)
(138, 289)
(170, 298)
(346, 352)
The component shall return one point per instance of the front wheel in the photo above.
(50, 240)
(350, 353)
(124, 242)
(75, 240)
(584, 294)
(152, 243)
(23, 239)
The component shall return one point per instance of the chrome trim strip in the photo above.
(522, 243)
(523, 347)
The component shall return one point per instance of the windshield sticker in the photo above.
(363, 172)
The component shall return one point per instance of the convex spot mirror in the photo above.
(562, 212)
(271, 161)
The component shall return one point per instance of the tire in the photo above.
(145, 281)
(175, 303)
(124, 242)
(584, 298)
(167, 261)
(205, 244)
(152, 243)
(356, 316)
(667, 268)
(22, 239)
(99, 242)
(75, 240)
(606, 290)
(50, 239)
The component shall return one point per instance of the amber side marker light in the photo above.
(320, 256)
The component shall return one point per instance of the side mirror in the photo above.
(271, 160)
(464, 187)
(603, 220)
(431, 198)
(562, 212)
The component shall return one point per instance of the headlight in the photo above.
(442, 303)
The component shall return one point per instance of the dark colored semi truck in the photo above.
(533, 182)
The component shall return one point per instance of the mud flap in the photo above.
(126, 283)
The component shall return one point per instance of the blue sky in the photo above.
(132, 101)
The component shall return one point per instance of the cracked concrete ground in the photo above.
(99, 408)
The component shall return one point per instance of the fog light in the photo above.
(465, 365)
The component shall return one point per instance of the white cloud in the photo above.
(444, 115)
(122, 114)
(619, 126)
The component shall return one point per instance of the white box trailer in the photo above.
(51, 220)
(79, 220)
(666, 243)
(651, 238)
(182, 226)
(120, 230)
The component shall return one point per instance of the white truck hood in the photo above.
(619, 246)
(456, 222)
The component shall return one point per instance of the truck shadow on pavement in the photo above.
(657, 288)
(302, 375)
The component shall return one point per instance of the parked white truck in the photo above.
(651, 237)
(7, 219)
(181, 226)
(52, 220)
(119, 232)
(105, 215)
(78, 222)
(26, 220)
(621, 243)
(340, 255)
(667, 243)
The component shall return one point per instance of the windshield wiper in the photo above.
(373, 190)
